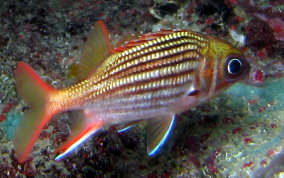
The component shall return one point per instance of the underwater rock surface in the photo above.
(237, 134)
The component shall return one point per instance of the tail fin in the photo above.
(36, 94)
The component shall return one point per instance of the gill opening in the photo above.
(201, 82)
(214, 77)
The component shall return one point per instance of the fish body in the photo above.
(151, 78)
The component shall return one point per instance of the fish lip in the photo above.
(239, 75)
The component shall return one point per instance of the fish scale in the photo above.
(162, 97)
(158, 100)
(170, 78)
(130, 65)
(145, 52)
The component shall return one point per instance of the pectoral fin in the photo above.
(158, 130)
(81, 129)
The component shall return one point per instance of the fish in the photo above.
(151, 78)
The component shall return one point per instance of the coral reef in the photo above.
(259, 34)
(275, 167)
(233, 135)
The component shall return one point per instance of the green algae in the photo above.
(11, 122)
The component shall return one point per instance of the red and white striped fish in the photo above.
(151, 78)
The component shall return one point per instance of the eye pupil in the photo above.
(234, 66)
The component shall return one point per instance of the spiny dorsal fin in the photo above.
(144, 38)
(158, 130)
(95, 50)
(124, 38)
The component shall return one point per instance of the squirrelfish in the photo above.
(151, 78)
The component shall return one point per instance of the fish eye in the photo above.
(235, 67)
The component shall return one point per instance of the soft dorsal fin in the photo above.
(158, 130)
(95, 50)
(143, 38)
(84, 125)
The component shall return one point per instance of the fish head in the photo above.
(222, 66)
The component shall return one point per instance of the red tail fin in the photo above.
(36, 94)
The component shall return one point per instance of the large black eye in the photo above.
(235, 67)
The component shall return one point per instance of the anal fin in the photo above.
(82, 128)
(158, 130)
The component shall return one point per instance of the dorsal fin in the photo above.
(124, 38)
(143, 38)
(95, 50)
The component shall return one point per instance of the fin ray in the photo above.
(143, 38)
(158, 130)
(95, 50)
(127, 126)
(81, 130)
(35, 93)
